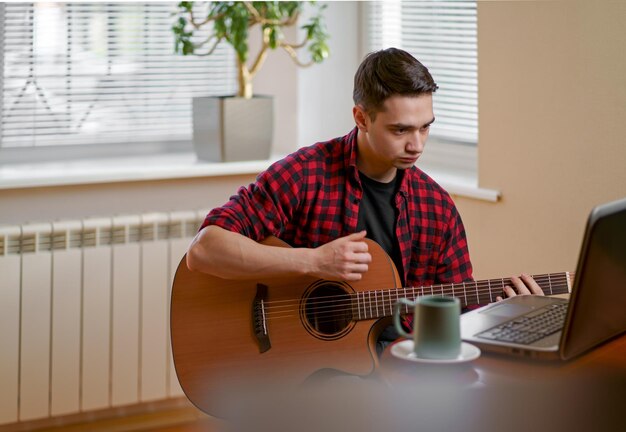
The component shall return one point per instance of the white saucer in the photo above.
(404, 350)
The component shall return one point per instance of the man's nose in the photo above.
(415, 143)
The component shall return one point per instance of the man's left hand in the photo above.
(522, 285)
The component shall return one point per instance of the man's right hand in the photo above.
(346, 258)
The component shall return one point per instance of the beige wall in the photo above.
(552, 107)
(47, 204)
(279, 78)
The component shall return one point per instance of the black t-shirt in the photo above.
(378, 214)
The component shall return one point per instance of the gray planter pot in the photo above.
(228, 129)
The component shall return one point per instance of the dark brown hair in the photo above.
(386, 73)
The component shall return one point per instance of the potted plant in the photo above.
(218, 134)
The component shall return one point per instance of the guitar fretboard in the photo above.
(380, 303)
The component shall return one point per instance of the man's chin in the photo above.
(405, 164)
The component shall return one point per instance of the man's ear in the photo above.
(360, 117)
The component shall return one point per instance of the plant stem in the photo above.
(245, 81)
(246, 74)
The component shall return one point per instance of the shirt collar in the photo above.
(351, 150)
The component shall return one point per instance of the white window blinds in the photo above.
(443, 36)
(100, 73)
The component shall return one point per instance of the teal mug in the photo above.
(436, 326)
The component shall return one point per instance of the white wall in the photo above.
(46, 204)
(325, 90)
(313, 103)
(278, 77)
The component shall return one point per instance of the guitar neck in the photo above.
(380, 303)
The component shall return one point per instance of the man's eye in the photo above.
(425, 128)
(400, 131)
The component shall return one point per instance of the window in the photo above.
(443, 36)
(86, 78)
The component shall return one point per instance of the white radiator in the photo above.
(84, 313)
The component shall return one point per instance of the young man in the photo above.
(325, 199)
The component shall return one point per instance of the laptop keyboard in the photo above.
(530, 327)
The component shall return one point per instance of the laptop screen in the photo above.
(597, 309)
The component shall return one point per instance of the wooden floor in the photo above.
(182, 417)
(179, 420)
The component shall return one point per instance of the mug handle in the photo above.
(396, 316)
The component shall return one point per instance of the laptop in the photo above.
(555, 328)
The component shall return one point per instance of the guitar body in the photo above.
(230, 336)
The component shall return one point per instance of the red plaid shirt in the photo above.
(312, 197)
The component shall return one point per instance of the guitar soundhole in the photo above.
(327, 310)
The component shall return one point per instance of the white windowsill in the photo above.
(455, 167)
(458, 178)
(463, 186)
(157, 167)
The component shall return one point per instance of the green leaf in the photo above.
(185, 6)
(319, 51)
(188, 47)
(273, 38)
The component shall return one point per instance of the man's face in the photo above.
(397, 135)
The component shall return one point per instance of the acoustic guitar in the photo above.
(231, 337)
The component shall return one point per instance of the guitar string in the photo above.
(322, 317)
(332, 302)
(469, 289)
(482, 287)
(329, 316)
(386, 296)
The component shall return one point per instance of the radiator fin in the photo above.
(10, 281)
(66, 328)
(120, 235)
(13, 244)
(28, 243)
(10, 244)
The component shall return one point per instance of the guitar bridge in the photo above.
(259, 318)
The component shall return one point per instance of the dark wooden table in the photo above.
(497, 392)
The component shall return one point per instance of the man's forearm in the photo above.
(230, 255)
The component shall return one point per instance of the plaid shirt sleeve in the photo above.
(264, 207)
(454, 263)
